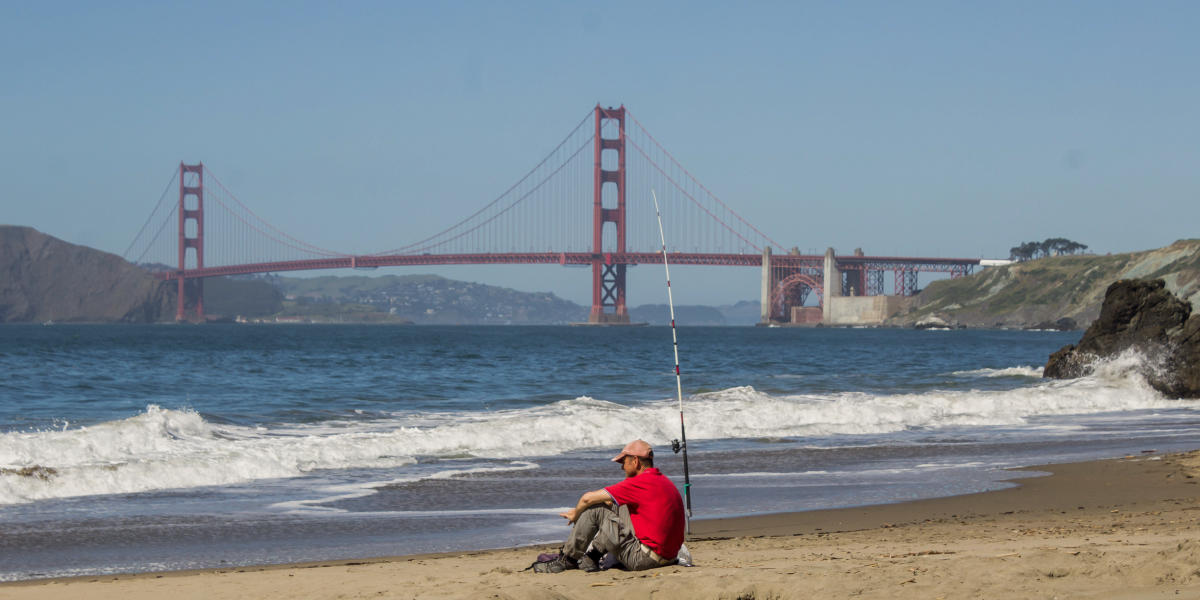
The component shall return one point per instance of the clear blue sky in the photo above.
(905, 128)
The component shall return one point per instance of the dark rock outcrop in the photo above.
(43, 278)
(1143, 315)
(1063, 324)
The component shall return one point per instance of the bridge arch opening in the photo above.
(792, 291)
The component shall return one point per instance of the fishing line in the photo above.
(681, 443)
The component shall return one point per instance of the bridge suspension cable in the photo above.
(745, 232)
(278, 236)
(469, 234)
(146, 245)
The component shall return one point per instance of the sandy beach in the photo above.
(1122, 528)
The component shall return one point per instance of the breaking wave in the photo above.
(1032, 372)
(164, 448)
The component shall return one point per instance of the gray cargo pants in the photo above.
(608, 529)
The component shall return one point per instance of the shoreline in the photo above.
(1091, 529)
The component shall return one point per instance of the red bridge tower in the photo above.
(191, 185)
(608, 277)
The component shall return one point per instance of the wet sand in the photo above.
(1123, 528)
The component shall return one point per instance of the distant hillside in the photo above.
(744, 312)
(1045, 290)
(240, 296)
(43, 278)
(660, 314)
(428, 299)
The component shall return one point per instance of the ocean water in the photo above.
(137, 448)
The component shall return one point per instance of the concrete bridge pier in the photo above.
(832, 282)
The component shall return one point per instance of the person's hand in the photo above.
(570, 516)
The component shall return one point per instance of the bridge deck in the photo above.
(577, 258)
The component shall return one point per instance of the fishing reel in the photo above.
(677, 445)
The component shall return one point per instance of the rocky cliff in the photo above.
(1140, 315)
(43, 278)
(1049, 289)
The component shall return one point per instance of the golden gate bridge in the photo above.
(569, 209)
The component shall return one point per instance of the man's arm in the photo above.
(599, 496)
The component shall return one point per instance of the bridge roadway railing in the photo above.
(881, 263)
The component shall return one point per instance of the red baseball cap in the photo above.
(636, 448)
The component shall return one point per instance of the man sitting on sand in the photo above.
(638, 520)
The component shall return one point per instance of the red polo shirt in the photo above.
(656, 509)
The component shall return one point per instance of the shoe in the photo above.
(558, 565)
(609, 561)
(587, 564)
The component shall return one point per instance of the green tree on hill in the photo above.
(1050, 247)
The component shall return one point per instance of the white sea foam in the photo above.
(358, 490)
(1033, 372)
(758, 474)
(941, 466)
(163, 449)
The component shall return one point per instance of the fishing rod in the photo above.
(680, 444)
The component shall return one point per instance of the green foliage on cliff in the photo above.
(1049, 247)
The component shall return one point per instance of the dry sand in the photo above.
(1122, 528)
